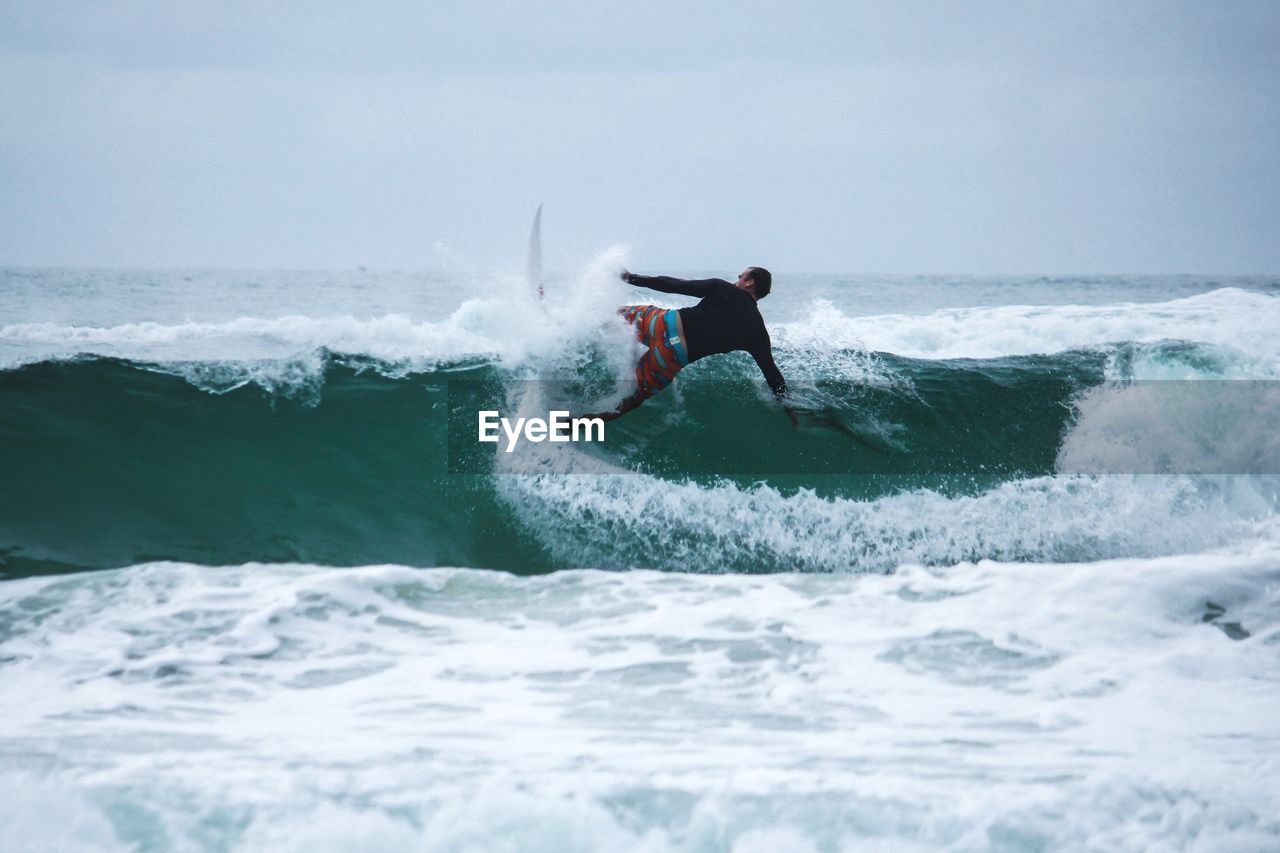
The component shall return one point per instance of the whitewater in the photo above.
(1013, 583)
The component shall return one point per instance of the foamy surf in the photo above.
(1102, 704)
(1232, 318)
(1232, 326)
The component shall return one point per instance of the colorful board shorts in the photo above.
(659, 330)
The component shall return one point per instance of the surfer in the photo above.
(726, 320)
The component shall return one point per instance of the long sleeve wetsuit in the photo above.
(726, 320)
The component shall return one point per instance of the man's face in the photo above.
(745, 279)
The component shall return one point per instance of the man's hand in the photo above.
(604, 416)
(795, 422)
(628, 276)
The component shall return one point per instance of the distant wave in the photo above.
(517, 334)
(1233, 319)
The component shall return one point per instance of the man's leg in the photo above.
(646, 319)
(660, 362)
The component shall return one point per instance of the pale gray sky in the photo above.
(888, 136)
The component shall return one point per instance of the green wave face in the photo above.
(112, 463)
(115, 464)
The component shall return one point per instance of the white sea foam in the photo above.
(1218, 427)
(1240, 323)
(393, 339)
(1106, 705)
(592, 518)
(510, 328)
(1233, 328)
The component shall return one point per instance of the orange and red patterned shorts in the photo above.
(659, 330)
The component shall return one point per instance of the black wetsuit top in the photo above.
(726, 319)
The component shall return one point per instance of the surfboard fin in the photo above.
(535, 253)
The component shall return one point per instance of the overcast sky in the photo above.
(895, 136)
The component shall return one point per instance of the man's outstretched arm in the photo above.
(772, 375)
(631, 402)
(667, 284)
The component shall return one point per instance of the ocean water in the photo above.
(1012, 584)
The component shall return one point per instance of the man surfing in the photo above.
(726, 320)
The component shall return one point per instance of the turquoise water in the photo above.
(1011, 583)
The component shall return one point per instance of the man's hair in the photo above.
(763, 280)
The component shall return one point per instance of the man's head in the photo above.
(757, 280)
